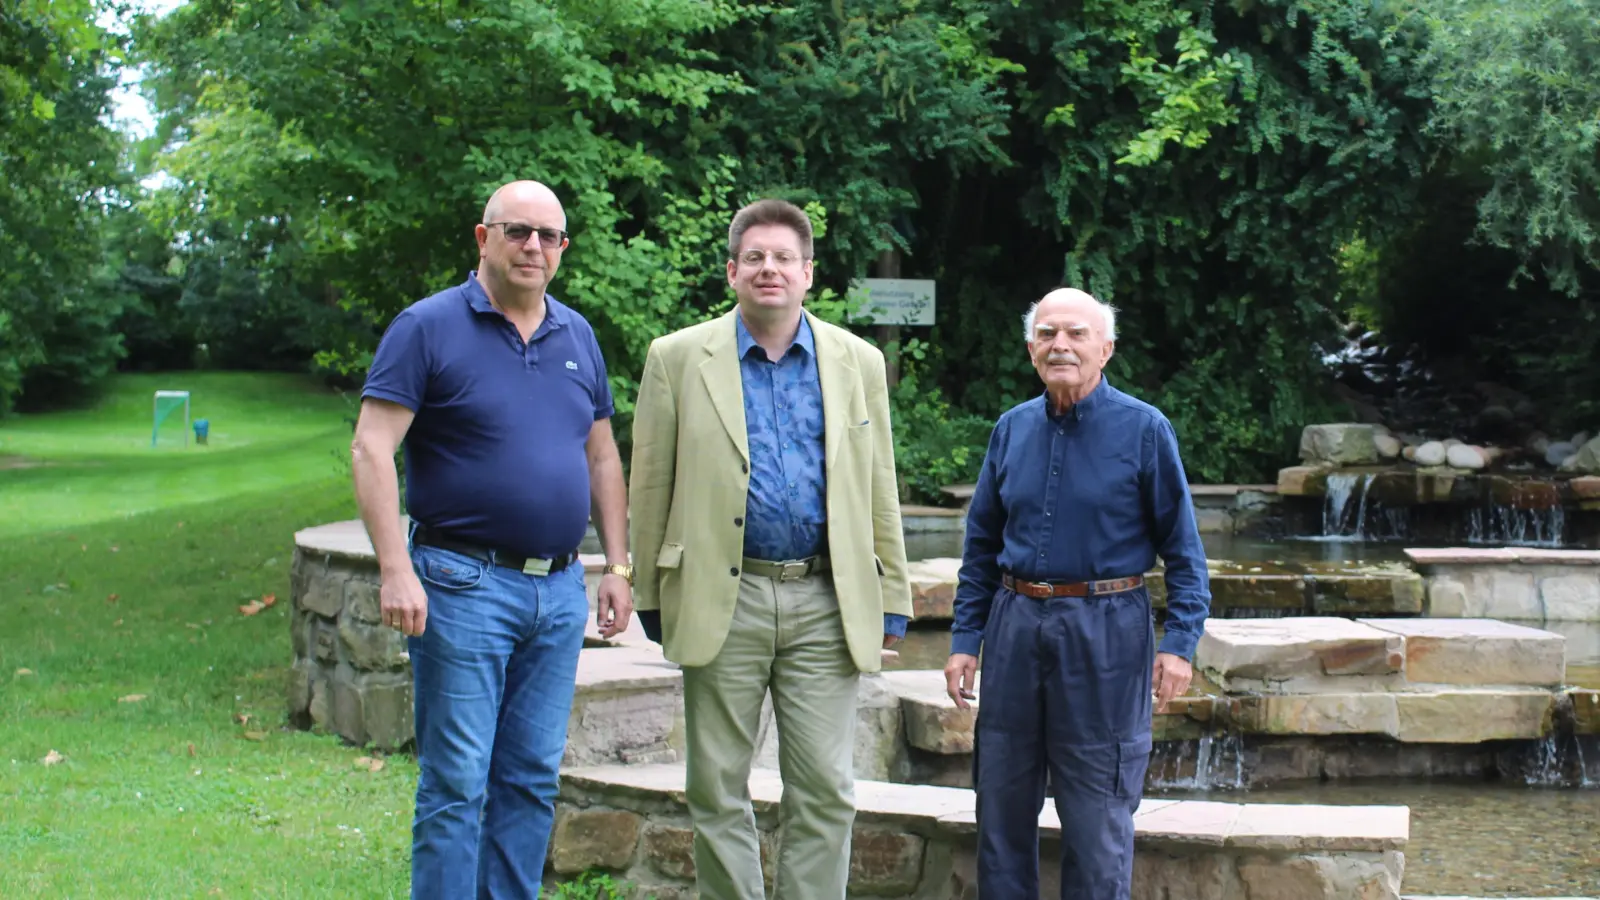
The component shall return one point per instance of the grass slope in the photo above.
(170, 795)
(268, 432)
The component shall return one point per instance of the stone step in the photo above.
(918, 841)
(1297, 588)
(1335, 655)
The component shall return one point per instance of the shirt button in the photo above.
(1047, 514)
(1055, 471)
(738, 521)
(735, 570)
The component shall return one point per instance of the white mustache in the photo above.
(1058, 358)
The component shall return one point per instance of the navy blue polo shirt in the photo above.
(497, 452)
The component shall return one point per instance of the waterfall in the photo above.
(1340, 486)
(1367, 520)
(1497, 524)
(1217, 764)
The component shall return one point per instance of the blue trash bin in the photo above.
(202, 427)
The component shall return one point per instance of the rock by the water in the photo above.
(1465, 456)
(1557, 453)
(1343, 443)
(1388, 446)
(1408, 453)
(1586, 460)
(1432, 453)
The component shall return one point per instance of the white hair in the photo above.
(1107, 311)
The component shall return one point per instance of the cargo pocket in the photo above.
(1133, 760)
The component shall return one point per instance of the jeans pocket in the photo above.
(450, 571)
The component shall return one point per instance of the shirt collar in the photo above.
(802, 338)
(1087, 405)
(555, 313)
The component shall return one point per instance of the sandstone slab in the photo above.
(933, 587)
(1473, 716)
(1341, 443)
(1302, 481)
(932, 721)
(1291, 714)
(594, 839)
(1256, 654)
(1477, 652)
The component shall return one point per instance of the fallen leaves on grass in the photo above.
(22, 672)
(268, 599)
(114, 548)
(52, 758)
(112, 598)
(117, 624)
(369, 763)
(242, 718)
(131, 698)
(251, 608)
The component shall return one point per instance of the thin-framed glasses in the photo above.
(783, 259)
(518, 233)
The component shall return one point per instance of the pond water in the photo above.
(1478, 839)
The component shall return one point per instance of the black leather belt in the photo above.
(428, 536)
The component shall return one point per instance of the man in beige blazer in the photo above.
(768, 553)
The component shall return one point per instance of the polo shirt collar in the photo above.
(555, 314)
(802, 338)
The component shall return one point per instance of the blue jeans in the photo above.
(1065, 695)
(494, 673)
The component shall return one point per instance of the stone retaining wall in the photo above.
(1511, 583)
(918, 842)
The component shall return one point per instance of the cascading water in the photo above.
(1212, 762)
(1367, 519)
(1496, 524)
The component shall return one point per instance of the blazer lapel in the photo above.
(725, 384)
(836, 370)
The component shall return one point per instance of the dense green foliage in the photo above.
(1236, 177)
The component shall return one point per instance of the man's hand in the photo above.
(613, 605)
(960, 677)
(1170, 678)
(889, 640)
(403, 603)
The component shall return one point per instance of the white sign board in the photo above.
(893, 301)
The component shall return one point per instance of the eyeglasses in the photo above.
(518, 233)
(783, 259)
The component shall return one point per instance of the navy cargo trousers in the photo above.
(1065, 692)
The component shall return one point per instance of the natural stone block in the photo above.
(324, 590)
(1477, 652)
(1250, 653)
(1504, 594)
(884, 863)
(1585, 487)
(607, 725)
(670, 850)
(324, 641)
(1359, 876)
(1230, 590)
(387, 710)
(321, 705)
(1342, 443)
(1380, 591)
(1572, 598)
(362, 601)
(1447, 597)
(1302, 481)
(1295, 828)
(348, 721)
(299, 688)
(933, 587)
(300, 633)
(371, 648)
(939, 727)
(1473, 716)
(1159, 875)
(586, 839)
(1585, 710)
(1356, 713)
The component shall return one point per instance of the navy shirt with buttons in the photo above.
(497, 452)
(1092, 494)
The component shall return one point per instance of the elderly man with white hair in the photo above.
(1081, 490)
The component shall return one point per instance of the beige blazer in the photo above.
(690, 475)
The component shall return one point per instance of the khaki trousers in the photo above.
(786, 637)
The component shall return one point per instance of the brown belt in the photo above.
(1043, 589)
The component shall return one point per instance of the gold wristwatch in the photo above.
(624, 571)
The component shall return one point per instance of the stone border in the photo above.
(1510, 583)
(917, 841)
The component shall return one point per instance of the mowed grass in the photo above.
(144, 751)
(267, 432)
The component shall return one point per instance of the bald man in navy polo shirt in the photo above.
(498, 392)
(1081, 490)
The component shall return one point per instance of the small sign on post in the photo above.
(893, 301)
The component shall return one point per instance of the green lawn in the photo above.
(267, 432)
(123, 653)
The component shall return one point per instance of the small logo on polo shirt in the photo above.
(572, 365)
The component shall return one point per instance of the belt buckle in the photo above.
(539, 567)
(800, 569)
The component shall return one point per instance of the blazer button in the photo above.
(745, 468)
(734, 571)
(738, 521)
